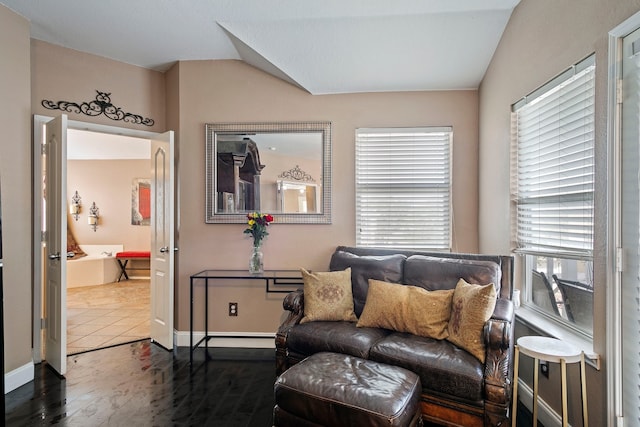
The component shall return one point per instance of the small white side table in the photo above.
(551, 350)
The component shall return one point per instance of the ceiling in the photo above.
(323, 47)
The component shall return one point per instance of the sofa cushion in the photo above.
(338, 337)
(434, 273)
(471, 307)
(388, 268)
(327, 296)
(405, 308)
(442, 367)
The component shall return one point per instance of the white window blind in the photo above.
(554, 166)
(403, 188)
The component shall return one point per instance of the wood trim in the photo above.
(441, 413)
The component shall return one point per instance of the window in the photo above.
(553, 186)
(403, 188)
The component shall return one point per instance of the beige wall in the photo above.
(15, 173)
(108, 183)
(61, 74)
(542, 38)
(30, 72)
(194, 93)
(231, 91)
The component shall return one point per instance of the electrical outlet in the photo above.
(233, 309)
(544, 368)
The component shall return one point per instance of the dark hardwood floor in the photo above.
(141, 384)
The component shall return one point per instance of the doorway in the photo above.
(46, 259)
(106, 315)
(106, 171)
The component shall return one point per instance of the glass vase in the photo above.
(256, 262)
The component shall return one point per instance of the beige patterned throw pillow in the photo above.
(471, 307)
(328, 296)
(405, 308)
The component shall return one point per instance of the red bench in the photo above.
(123, 259)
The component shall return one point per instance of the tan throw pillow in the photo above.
(328, 296)
(471, 307)
(406, 308)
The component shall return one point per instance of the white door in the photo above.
(162, 239)
(56, 244)
(630, 227)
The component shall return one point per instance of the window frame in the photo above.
(531, 314)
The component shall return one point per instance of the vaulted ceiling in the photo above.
(324, 47)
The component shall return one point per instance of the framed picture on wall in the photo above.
(141, 201)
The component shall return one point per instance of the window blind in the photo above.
(554, 166)
(403, 188)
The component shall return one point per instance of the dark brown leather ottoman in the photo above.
(330, 389)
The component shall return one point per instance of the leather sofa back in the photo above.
(436, 273)
(388, 268)
(408, 267)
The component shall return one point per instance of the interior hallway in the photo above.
(105, 315)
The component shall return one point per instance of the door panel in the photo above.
(162, 239)
(56, 244)
(630, 226)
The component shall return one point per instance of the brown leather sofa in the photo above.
(457, 389)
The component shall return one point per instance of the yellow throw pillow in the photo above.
(328, 296)
(471, 307)
(405, 308)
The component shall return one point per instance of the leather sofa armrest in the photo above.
(498, 370)
(503, 310)
(294, 304)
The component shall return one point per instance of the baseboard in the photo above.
(546, 415)
(18, 377)
(228, 339)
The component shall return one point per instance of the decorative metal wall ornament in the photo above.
(101, 105)
(297, 174)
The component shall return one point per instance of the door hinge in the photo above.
(43, 149)
(619, 91)
(619, 421)
(619, 260)
(43, 323)
(43, 236)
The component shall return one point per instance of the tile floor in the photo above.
(106, 315)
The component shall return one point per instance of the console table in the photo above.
(275, 281)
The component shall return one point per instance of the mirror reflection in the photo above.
(281, 168)
(297, 197)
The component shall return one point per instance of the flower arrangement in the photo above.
(257, 226)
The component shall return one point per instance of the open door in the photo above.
(56, 244)
(162, 239)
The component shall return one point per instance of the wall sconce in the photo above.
(74, 207)
(92, 219)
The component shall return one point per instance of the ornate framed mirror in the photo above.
(279, 168)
